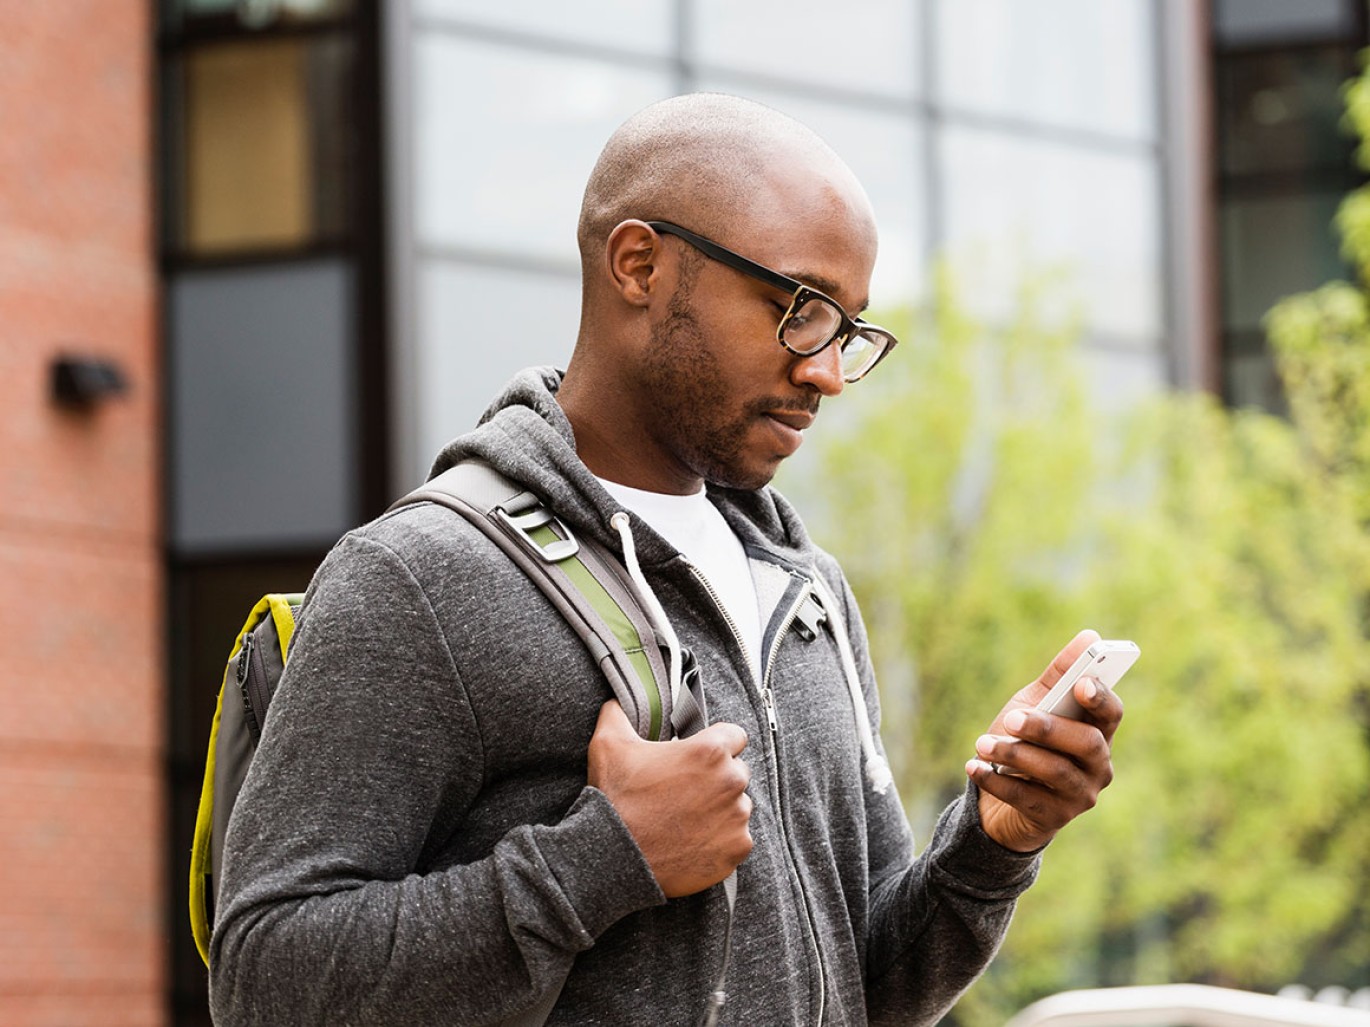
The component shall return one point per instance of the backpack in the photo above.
(583, 580)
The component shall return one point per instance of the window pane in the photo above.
(1274, 247)
(265, 157)
(1239, 22)
(868, 46)
(477, 328)
(1117, 379)
(505, 140)
(644, 28)
(1251, 380)
(264, 454)
(1016, 208)
(1078, 64)
(885, 151)
(1282, 112)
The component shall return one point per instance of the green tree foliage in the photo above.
(989, 499)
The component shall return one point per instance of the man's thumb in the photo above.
(614, 721)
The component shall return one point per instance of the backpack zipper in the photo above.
(248, 661)
(773, 750)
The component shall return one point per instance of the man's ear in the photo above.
(634, 252)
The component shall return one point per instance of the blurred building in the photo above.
(290, 247)
(83, 808)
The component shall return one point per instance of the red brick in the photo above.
(75, 156)
(113, 1006)
(81, 630)
(82, 892)
(81, 903)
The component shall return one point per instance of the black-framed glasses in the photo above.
(813, 321)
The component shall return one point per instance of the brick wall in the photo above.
(82, 915)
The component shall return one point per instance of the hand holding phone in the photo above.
(1105, 661)
(1035, 774)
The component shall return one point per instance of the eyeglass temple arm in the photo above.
(726, 256)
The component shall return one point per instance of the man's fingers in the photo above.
(1085, 743)
(1102, 704)
(613, 721)
(730, 737)
(1066, 776)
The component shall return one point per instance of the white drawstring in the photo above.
(648, 598)
(877, 770)
(662, 625)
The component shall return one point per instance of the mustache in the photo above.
(801, 404)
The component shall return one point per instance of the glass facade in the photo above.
(1283, 166)
(272, 332)
(1009, 137)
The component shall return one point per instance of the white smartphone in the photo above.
(1104, 661)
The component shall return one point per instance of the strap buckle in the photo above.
(524, 513)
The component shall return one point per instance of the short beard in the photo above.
(685, 381)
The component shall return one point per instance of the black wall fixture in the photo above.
(81, 382)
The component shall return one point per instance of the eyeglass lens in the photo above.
(810, 327)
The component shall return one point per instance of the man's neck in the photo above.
(615, 452)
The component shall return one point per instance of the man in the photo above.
(446, 822)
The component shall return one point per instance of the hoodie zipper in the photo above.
(773, 749)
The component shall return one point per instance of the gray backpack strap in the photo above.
(580, 578)
(593, 592)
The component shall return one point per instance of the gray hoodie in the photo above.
(416, 842)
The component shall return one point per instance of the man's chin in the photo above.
(744, 479)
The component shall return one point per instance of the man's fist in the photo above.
(685, 801)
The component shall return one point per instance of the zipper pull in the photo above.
(768, 701)
(244, 655)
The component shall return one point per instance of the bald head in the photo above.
(706, 161)
(679, 361)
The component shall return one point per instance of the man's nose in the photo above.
(822, 370)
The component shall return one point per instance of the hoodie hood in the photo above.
(526, 436)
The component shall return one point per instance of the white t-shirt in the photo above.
(694, 526)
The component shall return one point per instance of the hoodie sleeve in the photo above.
(370, 753)
(937, 919)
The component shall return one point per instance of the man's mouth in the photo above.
(796, 419)
(787, 428)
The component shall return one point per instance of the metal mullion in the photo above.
(1168, 189)
(880, 103)
(506, 260)
(1099, 341)
(175, 260)
(934, 191)
(1259, 184)
(367, 234)
(1285, 48)
(229, 30)
(684, 26)
(1059, 135)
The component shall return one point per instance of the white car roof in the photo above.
(1182, 1005)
